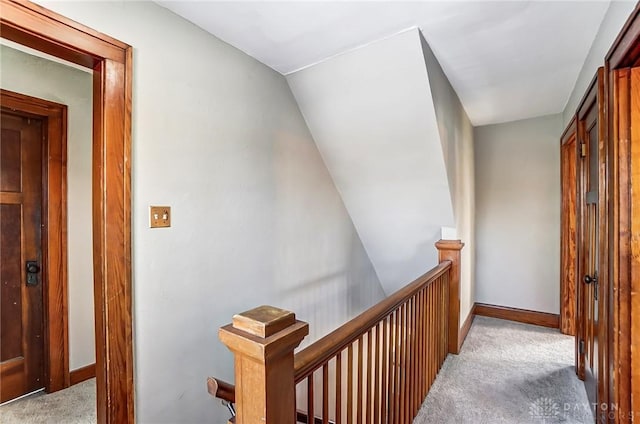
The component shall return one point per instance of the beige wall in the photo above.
(38, 77)
(517, 174)
(456, 136)
(256, 216)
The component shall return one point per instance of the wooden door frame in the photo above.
(624, 222)
(568, 257)
(54, 234)
(595, 94)
(111, 60)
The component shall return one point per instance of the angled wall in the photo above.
(371, 114)
(456, 136)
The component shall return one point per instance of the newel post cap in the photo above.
(263, 332)
(449, 245)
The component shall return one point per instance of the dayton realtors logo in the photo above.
(544, 409)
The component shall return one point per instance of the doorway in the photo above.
(33, 176)
(111, 60)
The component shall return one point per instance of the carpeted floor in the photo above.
(75, 405)
(508, 373)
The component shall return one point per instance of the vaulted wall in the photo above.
(372, 115)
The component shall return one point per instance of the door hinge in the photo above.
(581, 347)
(583, 150)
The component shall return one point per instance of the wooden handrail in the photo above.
(221, 389)
(312, 357)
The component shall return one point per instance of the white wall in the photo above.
(370, 112)
(611, 25)
(23, 73)
(256, 216)
(456, 136)
(517, 174)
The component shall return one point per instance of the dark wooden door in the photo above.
(589, 306)
(21, 316)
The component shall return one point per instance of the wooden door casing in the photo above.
(112, 62)
(592, 237)
(568, 237)
(623, 221)
(21, 323)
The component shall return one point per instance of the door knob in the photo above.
(32, 273)
(589, 279)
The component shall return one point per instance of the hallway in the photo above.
(508, 373)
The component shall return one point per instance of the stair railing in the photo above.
(376, 368)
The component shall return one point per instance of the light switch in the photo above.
(160, 216)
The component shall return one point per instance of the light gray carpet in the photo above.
(508, 373)
(75, 405)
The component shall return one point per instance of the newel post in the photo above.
(263, 340)
(449, 250)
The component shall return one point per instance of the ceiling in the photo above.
(506, 60)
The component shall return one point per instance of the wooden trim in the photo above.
(111, 60)
(571, 128)
(466, 326)
(525, 316)
(569, 149)
(449, 250)
(82, 374)
(603, 243)
(625, 50)
(589, 97)
(54, 234)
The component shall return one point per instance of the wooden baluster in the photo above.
(423, 354)
(409, 359)
(310, 400)
(369, 403)
(359, 406)
(443, 348)
(420, 352)
(385, 370)
(403, 361)
(338, 419)
(398, 366)
(432, 337)
(443, 284)
(350, 384)
(434, 323)
(415, 331)
(325, 393)
(393, 342)
(263, 340)
(376, 378)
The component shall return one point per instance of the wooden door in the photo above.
(589, 293)
(21, 316)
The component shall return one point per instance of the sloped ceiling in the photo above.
(506, 60)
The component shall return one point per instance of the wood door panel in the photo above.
(11, 278)
(10, 161)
